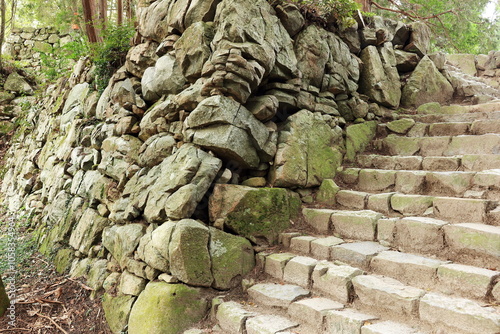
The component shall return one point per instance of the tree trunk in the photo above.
(365, 5)
(2, 28)
(119, 9)
(89, 11)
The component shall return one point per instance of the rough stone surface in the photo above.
(166, 308)
(426, 84)
(306, 155)
(272, 210)
(276, 294)
(346, 321)
(117, 311)
(268, 324)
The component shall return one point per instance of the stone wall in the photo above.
(25, 44)
(225, 118)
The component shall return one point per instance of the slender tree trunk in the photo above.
(103, 13)
(119, 9)
(2, 28)
(89, 10)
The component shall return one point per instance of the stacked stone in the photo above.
(26, 44)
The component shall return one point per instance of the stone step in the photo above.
(393, 299)
(423, 272)
(452, 209)
(307, 316)
(436, 129)
(439, 145)
(466, 243)
(466, 163)
(434, 183)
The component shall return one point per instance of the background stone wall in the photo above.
(26, 44)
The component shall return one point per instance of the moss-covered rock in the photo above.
(4, 300)
(117, 311)
(188, 253)
(63, 259)
(232, 257)
(401, 126)
(426, 84)
(357, 138)
(164, 308)
(307, 153)
(327, 191)
(258, 214)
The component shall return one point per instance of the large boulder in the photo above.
(379, 76)
(306, 154)
(164, 308)
(270, 213)
(426, 84)
(420, 38)
(88, 231)
(225, 127)
(171, 189)
(358, 136)
(154, 246)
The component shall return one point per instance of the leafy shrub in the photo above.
(110, 55)
(338, 11)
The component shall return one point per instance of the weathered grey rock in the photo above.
(192, 49)
(131, 284)
(263, 107)
(306, 155)
(154, 246)
(224, 126)
(269, 324)
(313, 310)
(88, 231)
(298, 270)
(388, 327)
(419, 39)
(121, 241)
(290, 17)
(16, 83)
(272, 210)
(117, 311)
(164, 308)
(155, 149)
(191, 172)
(164, 78)
(73, 107)
(231, 317)
(388, 294)
(425, 85)
(141, 57)
(335, 281)
(379, 77)
(97, 274)
(275, 264)
(189, 255)
(347, 321)
(358, 136)
(276, 295)
(458, 315)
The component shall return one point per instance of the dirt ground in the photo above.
(48, 302)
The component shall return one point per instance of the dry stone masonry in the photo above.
(226, 131)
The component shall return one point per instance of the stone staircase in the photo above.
(410, 245)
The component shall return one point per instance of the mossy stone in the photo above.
(327, 191)
(63, 259)
(429, 108)
(357, 138)
(164, 308)
(117, 311)
(259, 214)
(4, 299)
(232, 257)
(401, 126)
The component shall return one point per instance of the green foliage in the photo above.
(461, 27)
(338, 11)
(111, 54)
